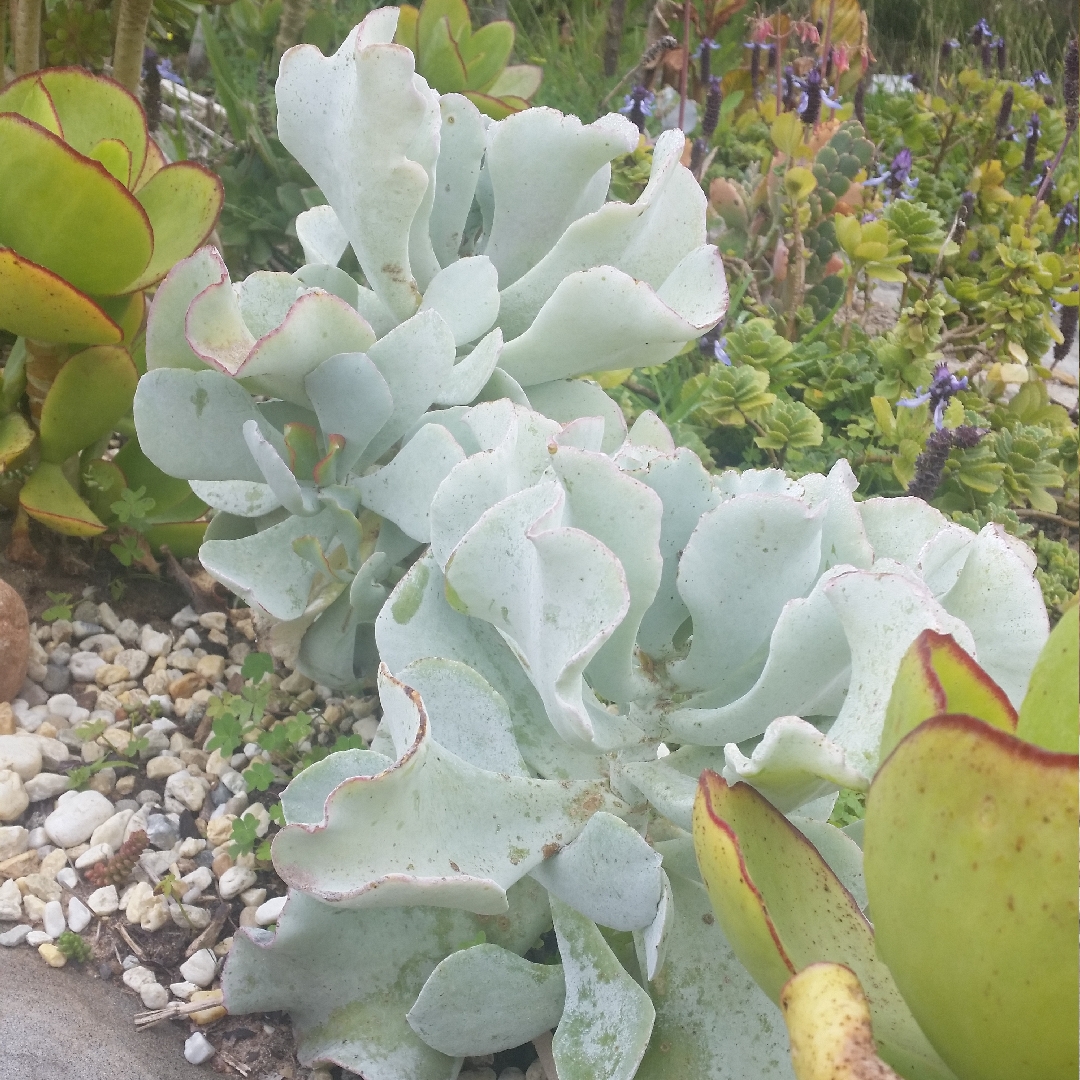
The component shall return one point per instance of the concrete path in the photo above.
(66, 1025)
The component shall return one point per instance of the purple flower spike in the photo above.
(637, 105)
(943, 387)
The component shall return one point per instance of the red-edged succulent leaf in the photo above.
(325, 471)
(92, 390)
(302, 443)
(16, 436)
(68, 213)
(29, 98)
(782, 908)
(498, 108)
(937, 676)
(39, 304)
(115, 156)
(183, 202)
(49, 498)
(155, 162)
(970, 863)
(92, 107)
(1048, 714)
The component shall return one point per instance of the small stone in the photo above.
(185, 686)
(20, 865)
(112, 831)
(68, 877)
(84, 665)
(45, 786)
(155, 915)
(296, 683)
(213, 620)
(32, 694)
(270, 911)
(162, 831)
(138, 898)
(154, 642)
(234, 782)
(214, 1010)
(187, 789)
(221, 863)
(219, 830)
(148, 797)
(53, 753)
(34, 907)
(160, 768)
(57, 679)
(82, 628)
(91, 752)
(134, 660)
(156, 684)
(261, 816)
(252, 897)
(110, 675)
(125, 785)
(13, 799)
(95, 854)
(182, 990)
(190, 846)
(211, 668)
(53, 863)
(78, 915)
(62, 705)
(13, 841)
(108, 618)
(53, 920)
(103, 901)
(7, 719)
(247, 916)
(154, 995)
(189, 917)
(184, 618)
(201, 968)
(76, 816)
(21, 754)
(137, 976)
(234, 881)
(38, 937)
(128, 631)
(198, 881)
(10, 901)
(44, 888)
(16, 935)
(104, 780)
(51, 955)
(198, 1049)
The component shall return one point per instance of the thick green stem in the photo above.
(27, 31)
(130, 42)
(293, 16)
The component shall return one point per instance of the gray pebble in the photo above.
(220, 794)
(162, 831)
(32, 694)
(15, 936)
(36, 837)
(204, 858)
(57, 679)
(129, 632)
(61, 654)
(125, 804)
(81, 629)
(148, 795)
(85, 611)
(184, 618)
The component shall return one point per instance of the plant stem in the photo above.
(44, 359)
(849, 303)
(1044, 187)
(798, 282)
(684, 75)
(827, 40)
(613, 36)
(779, 69)
(130, 42)
(27, 36)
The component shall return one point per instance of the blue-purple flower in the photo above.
(637, 105)
(1038, 78)
(896, 177)
(942, 388)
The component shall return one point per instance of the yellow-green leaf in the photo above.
(1048, 714)
(16, 435)
(116, 158)
(49, 498)
(799, 182)
(848, 232)
(67, 213)
(28, 97)
(38, 304)
(782, 908)
(828, 1022)
(936, 676)
(787, 133)
(486, 52)
(91, 392)
(182, 201)
(970, 864)
(408, 17)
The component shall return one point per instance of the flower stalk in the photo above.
(130, 42)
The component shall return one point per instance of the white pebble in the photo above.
(10, 901)
(78, 915)
(67, 877)
(15, 936)
(198, 1049)
(62, 705)
(53, 919)
(38, 937)
(136, 977)
(45, 786)
(234, 881)
(103, 901)
(270, 911)
(154, 995)
(182, 990)
(101, 853)
(77, 815)
(201, 968)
